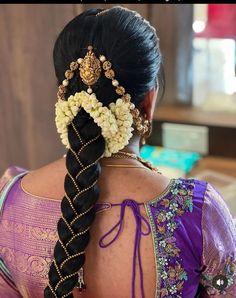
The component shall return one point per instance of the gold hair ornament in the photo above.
(119, 116)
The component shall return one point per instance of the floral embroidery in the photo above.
(228, 271)
(171, 226)
(171, 205)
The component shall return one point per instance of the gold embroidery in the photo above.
(29, 231)
(42, 234)
(25, 263)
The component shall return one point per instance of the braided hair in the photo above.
(131, 44)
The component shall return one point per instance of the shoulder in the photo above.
(9, 173)
(181, 203)
(7, 180)
(217, 216)
(12, 171)
(214, 199)
(197, 186)
(183, 191)
(46, 181)
(176, 220)
(219, 242)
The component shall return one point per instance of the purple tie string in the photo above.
(138, 218)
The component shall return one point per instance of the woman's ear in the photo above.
(149, 102)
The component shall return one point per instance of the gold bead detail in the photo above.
(62, 89)
(135, 112)
(110, 74)
(145, 129)
(74, 65)
(106, 65)
(69, 74)
(120, 90)
(126, 97)
(140, 127)
(60, 96)
(139, 119)
(115, 83)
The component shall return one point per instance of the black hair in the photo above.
(130, 43)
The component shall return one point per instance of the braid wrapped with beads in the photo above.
(81, 193)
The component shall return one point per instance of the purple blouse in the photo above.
(194, 237)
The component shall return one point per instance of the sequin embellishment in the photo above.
(176, 200)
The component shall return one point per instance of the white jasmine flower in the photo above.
(115, 121)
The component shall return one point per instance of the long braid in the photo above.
(81, 194)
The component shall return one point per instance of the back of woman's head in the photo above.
(124, 37)
(130, 43)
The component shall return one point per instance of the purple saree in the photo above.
(193, 232)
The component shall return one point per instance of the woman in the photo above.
(151, 236)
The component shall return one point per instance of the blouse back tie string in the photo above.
(138, 217)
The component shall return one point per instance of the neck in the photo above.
(134, 145)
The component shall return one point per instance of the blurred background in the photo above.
(194, 129)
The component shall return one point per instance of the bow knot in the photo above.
(138, 218)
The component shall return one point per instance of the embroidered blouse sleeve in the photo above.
(218, 276)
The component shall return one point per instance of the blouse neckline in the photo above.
(155, 199)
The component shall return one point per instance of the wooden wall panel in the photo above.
(174, 28)
(28, 84)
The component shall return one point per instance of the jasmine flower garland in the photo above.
(115, 121)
